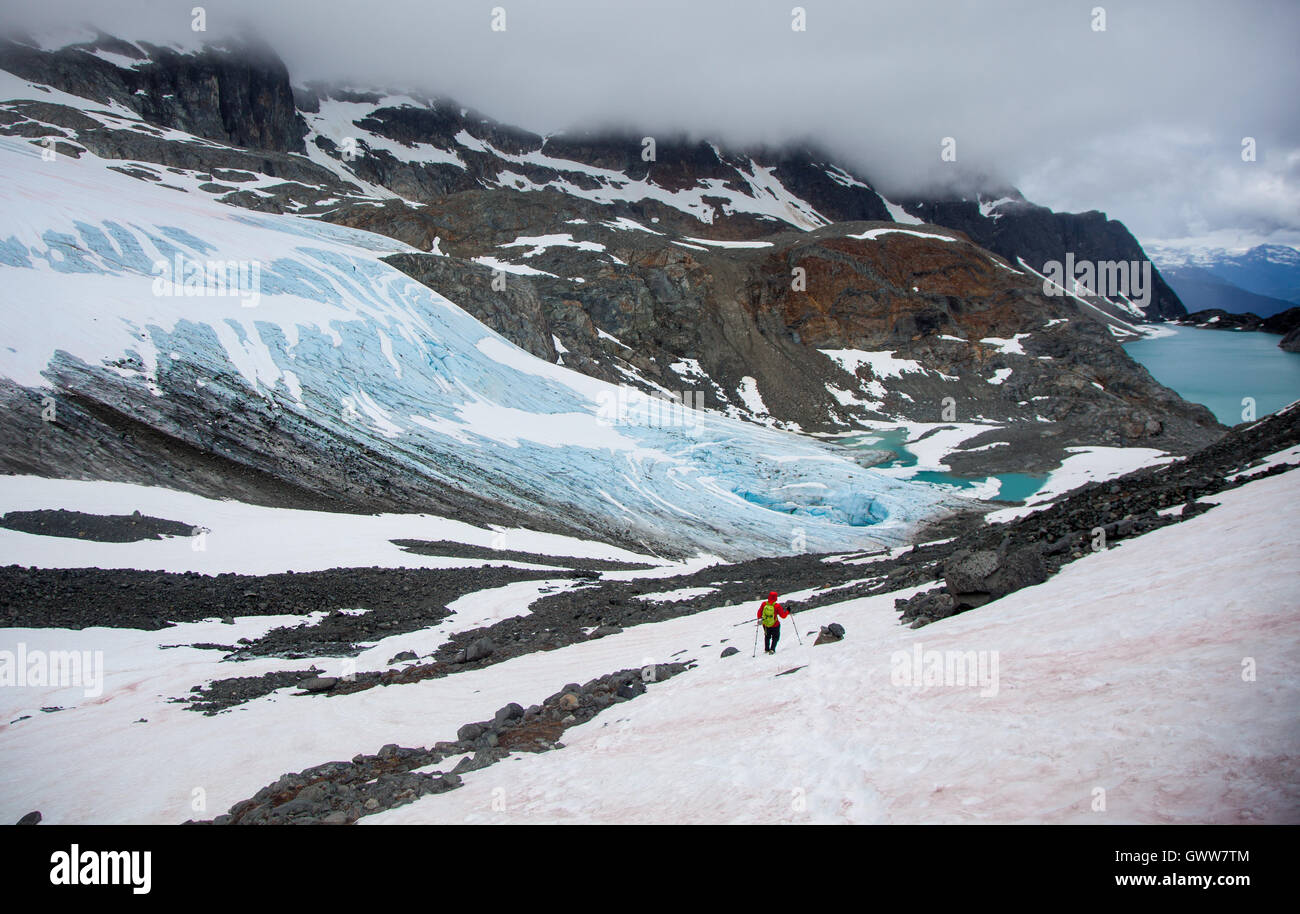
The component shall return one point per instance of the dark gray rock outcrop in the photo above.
(235, 92)
(341, 792)
(1038, 235)
(978, 577)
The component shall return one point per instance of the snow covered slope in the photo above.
(1123, 673)
(315, 325)
(239, 538)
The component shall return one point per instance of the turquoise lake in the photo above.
(1216, 368)
(1219, 368)
(1014, 486)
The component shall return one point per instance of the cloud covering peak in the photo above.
(1144, 119)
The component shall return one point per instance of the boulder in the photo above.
(468, 763)
(730, 652)
(470, 732)
(449, 781)
(658, 671)
(510, 712)
(967, 571)
(976, 578)
(318, 683)
(929, 606)
(829, 634)
(32, 818)
(313, 793)
(479, 649)
(631, 689)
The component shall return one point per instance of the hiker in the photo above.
(769, 616)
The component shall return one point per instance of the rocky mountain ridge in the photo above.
(1271, 270)
(769, 285)
(422, 149)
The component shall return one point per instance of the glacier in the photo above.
(374, 359)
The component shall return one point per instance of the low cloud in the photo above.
(1143, 120)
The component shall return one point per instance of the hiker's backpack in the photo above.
(769, 614)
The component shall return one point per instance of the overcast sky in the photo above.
(1144, 120)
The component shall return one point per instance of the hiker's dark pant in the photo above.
(770, 637)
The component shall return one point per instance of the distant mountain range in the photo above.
(1203, 290)
(1215, 278)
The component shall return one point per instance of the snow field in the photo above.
(1135, 690)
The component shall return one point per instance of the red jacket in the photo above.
(781, 612)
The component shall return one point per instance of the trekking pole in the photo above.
(795, 626)
(755, 654)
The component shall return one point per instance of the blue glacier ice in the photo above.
(373, 357)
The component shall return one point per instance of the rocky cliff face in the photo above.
(238, 95)
(1017, 229)
(883, 324)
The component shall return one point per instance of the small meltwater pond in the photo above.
(1013, 487)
